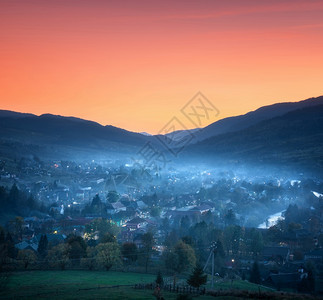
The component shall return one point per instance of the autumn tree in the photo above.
(89, 260)
(108, 255)
(27, 257)
(58, 256)
(180, 258)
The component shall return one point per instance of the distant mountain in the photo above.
(281, 132)
(238, 123)
(13, 114)
(295, 137)
(57, 135)
(145, 133)
(178, 135)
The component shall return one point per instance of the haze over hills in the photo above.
(295, 137)
(236, 123)
(56, 135)
(290, 132)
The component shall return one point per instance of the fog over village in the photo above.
(161, 149)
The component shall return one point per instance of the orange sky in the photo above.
(135, 64)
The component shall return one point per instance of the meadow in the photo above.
(79, 284)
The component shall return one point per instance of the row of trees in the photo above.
(14, 201)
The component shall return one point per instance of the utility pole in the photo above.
(212, 254)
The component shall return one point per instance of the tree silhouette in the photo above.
(197, 278)
(159, 279)
(42, 246)
(255, 273)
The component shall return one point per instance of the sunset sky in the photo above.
(135, 64)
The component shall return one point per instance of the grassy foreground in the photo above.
(81, 285)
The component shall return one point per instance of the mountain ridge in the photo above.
(236, 123)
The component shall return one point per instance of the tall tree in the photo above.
(197, 278)
(255, 273)
(159, 279)
(77, 248)
(42, 246)
(129, 252)
(257, 242)
(148, 242)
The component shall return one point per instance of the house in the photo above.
(315, 255)
(184, 211)
(278, 254)
(141, 205)
(285, 280)
(25, 245)
(136, 223)
(53, 238)
(203, 208)
(114, 208)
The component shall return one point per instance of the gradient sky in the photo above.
(135, 64)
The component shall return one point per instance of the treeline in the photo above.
(16, 202)
(98, 250)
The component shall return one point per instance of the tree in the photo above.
(255, 273)
(148, 242)
(165, 224)
(129, 252)
(108, 238)
(307, 284)
(155, 211)
(97, 206)
(159, 279)
(101, 226)
(185, 224)
(230, 217)
(219, 259)
(171, 239)
(112, 196)
(89, 261)
(197, 278)
(257, 243)
(108, 255)
(208, 217)
(10, 246)
(181, 258)
(19, 221)
(77, 248)
(58, 256)
(219, 249)
(2, 236)
(42, 246)
(14, 196)
(31, 202)
(27, 257)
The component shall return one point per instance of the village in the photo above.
(150, 215)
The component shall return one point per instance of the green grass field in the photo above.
(81, 285)
(236, 285)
